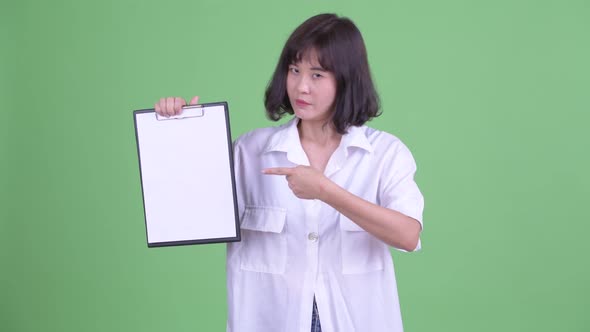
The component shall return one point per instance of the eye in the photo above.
(317, 75)
(293, 70)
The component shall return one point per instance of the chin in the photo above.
(299, 113)
(304, 117)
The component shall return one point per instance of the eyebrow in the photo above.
(312, 68)
(318, 68)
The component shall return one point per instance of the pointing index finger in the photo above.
(278, 171)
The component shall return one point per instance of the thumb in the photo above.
(195, 100)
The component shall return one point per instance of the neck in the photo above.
(317, 132)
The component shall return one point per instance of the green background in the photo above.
(492, 97)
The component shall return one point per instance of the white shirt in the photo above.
(294, 249)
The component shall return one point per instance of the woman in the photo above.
(317, 244)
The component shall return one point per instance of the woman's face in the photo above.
(311, 89)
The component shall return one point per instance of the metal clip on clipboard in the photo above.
(189, 111)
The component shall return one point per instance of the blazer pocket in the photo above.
(264, 244)
(361, 251)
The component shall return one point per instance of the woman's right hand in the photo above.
(171, 106)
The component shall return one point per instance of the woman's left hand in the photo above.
(305, 182)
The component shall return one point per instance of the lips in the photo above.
(301, 102)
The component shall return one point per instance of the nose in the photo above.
(302, 84)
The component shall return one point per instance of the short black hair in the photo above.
(341, 50)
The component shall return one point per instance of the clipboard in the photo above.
(187, 176)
